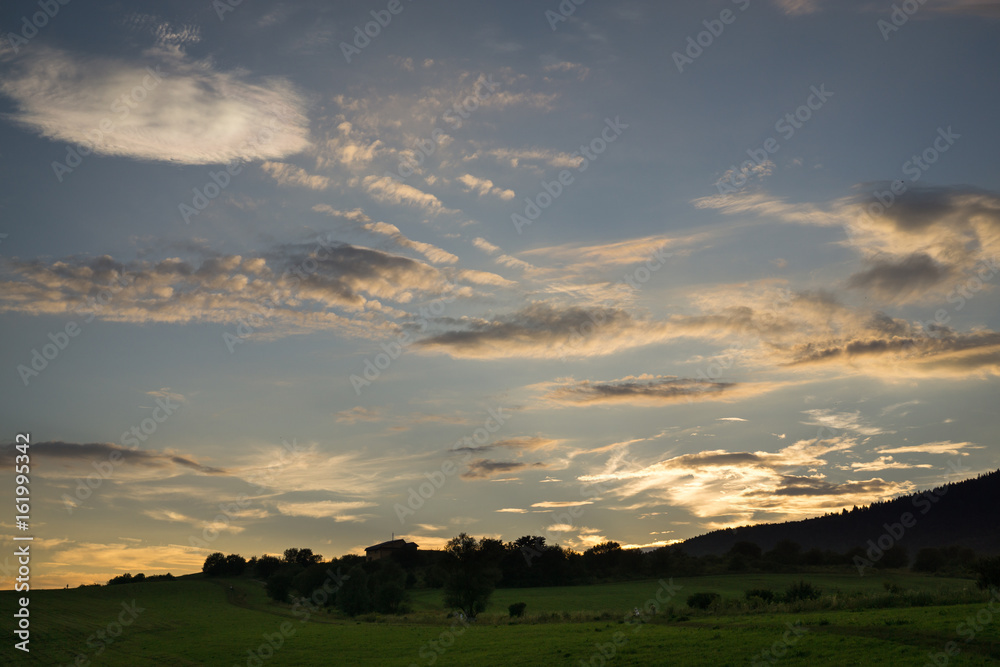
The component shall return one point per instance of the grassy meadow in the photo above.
(198, 621)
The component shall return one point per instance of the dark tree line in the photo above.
(467, 570)
(960, 513)
(129, 578)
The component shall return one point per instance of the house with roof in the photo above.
(390, 548)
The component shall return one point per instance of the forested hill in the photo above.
(965, 513)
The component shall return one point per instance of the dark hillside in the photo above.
(965, 514)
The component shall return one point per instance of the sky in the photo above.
(307, 274)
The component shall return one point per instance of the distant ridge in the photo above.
(965, 514)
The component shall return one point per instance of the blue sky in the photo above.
(492, 271)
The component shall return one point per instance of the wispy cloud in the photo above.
(887, 463)
(289, 174)
(649, 390)
(941, 447)
(556, 504)
(431, 252)
(354, 215)
(484, 186)
(388, 191)
(82, 455)
(187, 111)
(485, 468)
(523, 443)
(733, 488)
(544, 331)
(326, 509)
(843, 421)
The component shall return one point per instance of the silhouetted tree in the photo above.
(303, 557)
(215, 564)
(894, 557)
(928, 559)
(279, 585)
(602, 558)
(749, 550)
(310, 579)
(473, 574)
(353, 598)
(785, 552)
(235, 564)
(266, 566)
(988, 570)
(390, 587)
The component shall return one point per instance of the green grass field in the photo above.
(196, 621)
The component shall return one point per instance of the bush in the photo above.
(893, 557)
(929, 560)
(219, 564)
(988, 570)
(278, 587)
(801, 591)
(390, 588)
(516, 610)
(354, 598)
(435, 576)
(702, 600)
(764, 594)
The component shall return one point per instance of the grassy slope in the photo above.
(200, 622)
(621, 597)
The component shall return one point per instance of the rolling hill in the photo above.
(957, 514)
